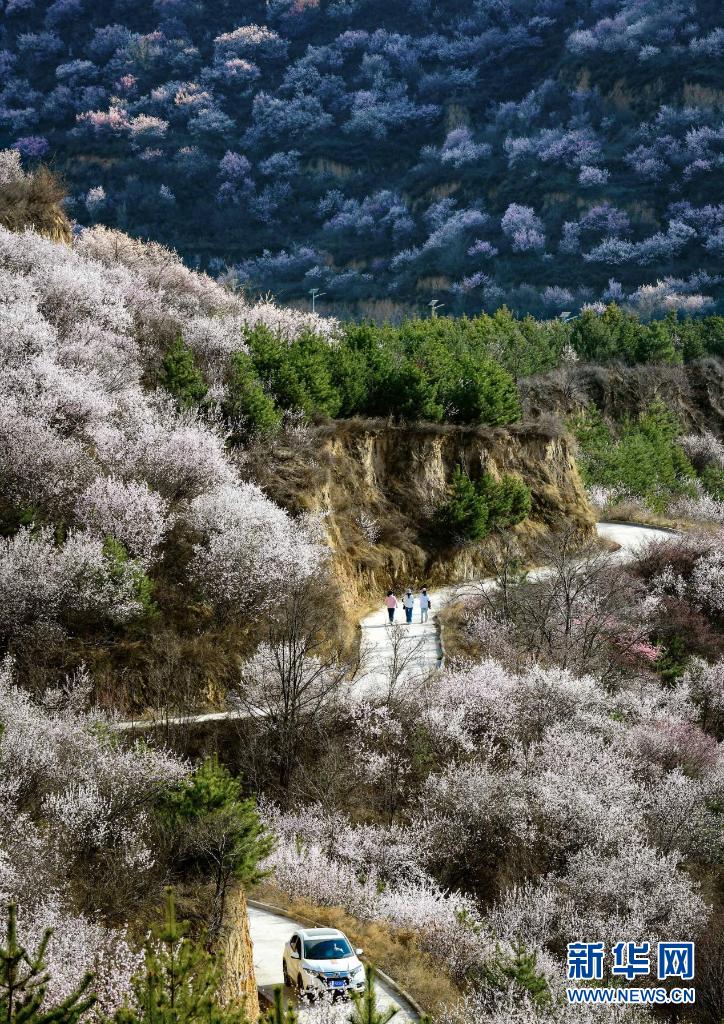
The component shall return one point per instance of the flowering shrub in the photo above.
(251, 548)
(84, 578)
(445, 922)
(130, 512)
(84, 439)
(703, 448)
(10, 166)
(72, 796)
(523, 228)
(563, 809)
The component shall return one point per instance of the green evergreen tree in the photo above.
(713, 479)
(219, 831)
(711, 330)
(299, 374)
(658, 342)
(247, 400)
(311, 358)
(351, 378)
(508, 500)
(180, 376)
(645, 461)
(666, 344)
(365, 1009)
(607, 337)
(520, 972)
(178, 983)
(484, 393)
(411, 395)
(464, 516)
(24, 984)
(692, 339)
(596, 444)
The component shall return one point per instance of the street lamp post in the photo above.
(316, 294)
(434, 306)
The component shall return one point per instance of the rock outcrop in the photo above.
(694, 393)
(379, 484)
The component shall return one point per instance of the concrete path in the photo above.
(269, 934)
(391, 654)
(401, 652)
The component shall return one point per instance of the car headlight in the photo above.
(358, 972)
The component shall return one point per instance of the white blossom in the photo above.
(128, 511)
(251, 547)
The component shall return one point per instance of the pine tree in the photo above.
(180, 376)
(508, 500)
(464, 516)
(657, 344)
(24, 985)
(247, 400)
(520, 973)
(484, 393)
(365, 1009)
(219, 831)
(178, 983)
(712, 478)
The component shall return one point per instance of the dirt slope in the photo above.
(379, 484)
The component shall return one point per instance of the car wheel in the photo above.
(285, 972)
(300, 985)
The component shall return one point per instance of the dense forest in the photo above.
(544, 154)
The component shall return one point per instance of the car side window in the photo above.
(295, 944)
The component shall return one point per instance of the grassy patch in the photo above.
(397, 954)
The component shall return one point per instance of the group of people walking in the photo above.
(408, 603)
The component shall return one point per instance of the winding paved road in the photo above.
(418, 651)
(416, 647)
(269, 934)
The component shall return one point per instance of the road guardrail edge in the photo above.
(394, 985)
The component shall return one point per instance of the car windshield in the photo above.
(327, 949)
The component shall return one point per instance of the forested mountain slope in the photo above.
(122, 512)
(163, 442)
(541, 153)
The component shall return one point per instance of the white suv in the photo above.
(320, 960)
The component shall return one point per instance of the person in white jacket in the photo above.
(408, 603)
(425, 604)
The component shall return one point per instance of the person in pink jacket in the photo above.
(391, 602)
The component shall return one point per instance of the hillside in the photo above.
(129, 536)
(144, 404)
(379, 487)
(541, 154)
(201, 495)
(134, 536)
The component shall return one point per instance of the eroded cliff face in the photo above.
(379, 485)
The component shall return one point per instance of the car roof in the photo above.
(321, 933)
